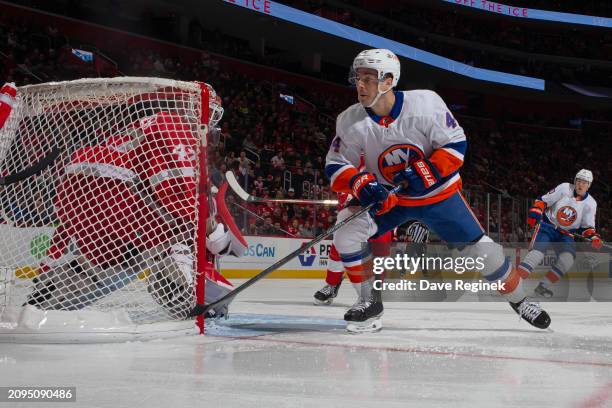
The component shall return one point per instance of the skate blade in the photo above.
(372, 325)
(318, 302)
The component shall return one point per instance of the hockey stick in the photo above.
(574, 235)
(34, 169)
(233, 183)
(202, 308)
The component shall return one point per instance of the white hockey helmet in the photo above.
(585, 175)
(381, 60)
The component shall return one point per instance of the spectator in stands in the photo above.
(284, 138)
(277, 161)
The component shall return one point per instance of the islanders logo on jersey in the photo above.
(396, 158)
(566, 216)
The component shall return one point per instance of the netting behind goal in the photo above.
(100, 221)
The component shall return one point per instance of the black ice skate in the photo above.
(326, 295)
(364, 316)
(543, 291)
(532, 313)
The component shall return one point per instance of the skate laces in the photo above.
(327, 290)
(529, 310)
(361, 304)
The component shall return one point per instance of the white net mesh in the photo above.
(107, 223)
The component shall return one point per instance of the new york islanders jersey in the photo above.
(420, 126)
(564, 211)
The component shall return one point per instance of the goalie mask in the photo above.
(214, 107)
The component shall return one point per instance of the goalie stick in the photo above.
(201, 309)
(233, 182)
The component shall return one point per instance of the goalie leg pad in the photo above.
(170, 282)
(78, 283)
(237, 243)
(224, 242)
(215, 290)
(218, 241)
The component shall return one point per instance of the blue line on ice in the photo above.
(239, 325)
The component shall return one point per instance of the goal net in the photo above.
(103, 201)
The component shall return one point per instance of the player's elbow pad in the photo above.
(448, 159)
(540, 204)
(340, 177)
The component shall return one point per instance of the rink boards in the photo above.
(264, 251)
(25, 254)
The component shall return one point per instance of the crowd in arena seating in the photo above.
(279, 151)
(428, 28)
(437, 31)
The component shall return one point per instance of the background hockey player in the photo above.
(566, 209)
(408, 138)
(126, 206)
(416, 236)
(335, 268)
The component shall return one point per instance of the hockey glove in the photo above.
(420, 176)
(594, 237)
(368, 191)
(535, 213)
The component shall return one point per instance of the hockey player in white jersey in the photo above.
(411, 139)
(566, 209)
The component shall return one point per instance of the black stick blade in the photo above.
(199, 309)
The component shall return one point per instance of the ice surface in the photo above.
(279, 350)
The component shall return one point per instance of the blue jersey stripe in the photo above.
(331, 169)
(395, 110)
(461, 147)
(499, 273)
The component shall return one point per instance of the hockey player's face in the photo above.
(582, 186)
(366, 83)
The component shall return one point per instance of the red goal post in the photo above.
(107, 241)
